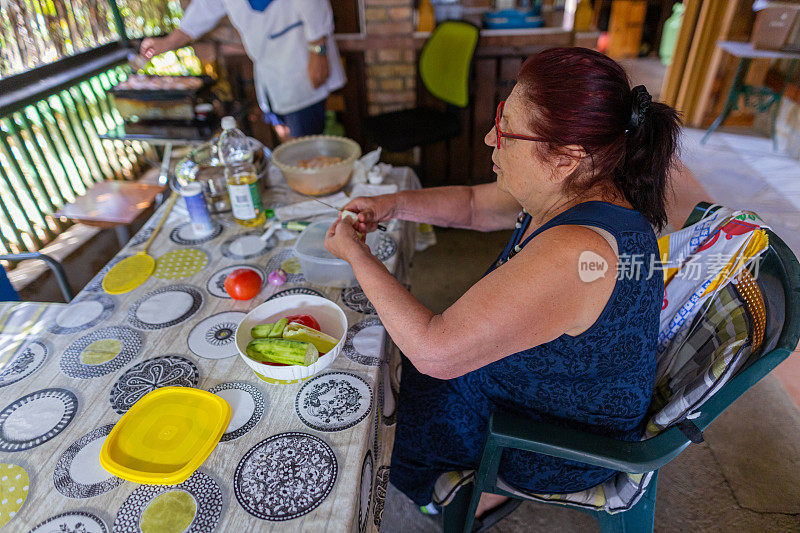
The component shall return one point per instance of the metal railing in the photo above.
(50, 152)
(58, 61)
(38, 32)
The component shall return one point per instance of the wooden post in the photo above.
(699, 112)
(697, 62)
(625, 28)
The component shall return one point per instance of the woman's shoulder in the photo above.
(582, 262)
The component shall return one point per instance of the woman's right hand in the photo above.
(371, 210)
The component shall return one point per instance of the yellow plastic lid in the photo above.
(165, 436)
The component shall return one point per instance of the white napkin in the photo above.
(367, 189)
(309, 208)
(363, 165)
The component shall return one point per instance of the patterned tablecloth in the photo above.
(310, 456)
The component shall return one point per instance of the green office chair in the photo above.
(444, 67)
(778, 284)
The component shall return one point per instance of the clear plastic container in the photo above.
(318, 265)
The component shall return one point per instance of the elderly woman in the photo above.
(582, 162)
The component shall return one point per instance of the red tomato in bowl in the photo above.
(305, 320)
(243, 284)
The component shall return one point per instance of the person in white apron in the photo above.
(295, 60)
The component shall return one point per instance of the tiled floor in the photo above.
(743, 172)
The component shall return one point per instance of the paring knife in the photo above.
(380, 226)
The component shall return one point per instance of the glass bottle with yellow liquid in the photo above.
(240, 175)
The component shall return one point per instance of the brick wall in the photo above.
(391, 72)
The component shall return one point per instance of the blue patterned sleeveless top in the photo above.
(601, 380)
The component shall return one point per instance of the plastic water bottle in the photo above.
(669, 35)
(240, 175)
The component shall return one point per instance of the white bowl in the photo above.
(330, 316)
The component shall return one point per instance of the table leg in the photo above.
(777, 104)
(123, 234)
(733, 97)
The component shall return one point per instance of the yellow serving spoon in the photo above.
(132, 271)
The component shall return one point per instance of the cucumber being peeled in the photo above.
(284, 351)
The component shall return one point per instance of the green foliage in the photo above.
(37, 32)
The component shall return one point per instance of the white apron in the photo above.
(276, 39)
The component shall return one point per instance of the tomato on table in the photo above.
(243, 284)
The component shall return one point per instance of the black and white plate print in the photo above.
(214, 337)
(142, 236)
(149, 375)
(377, 430)
(194, 506)
(26, 360)
(355, 299)
(279, 259)
(247, 245)
(165, 307)
(333, 401)
(83, 313)
(216, 283)
(247, 407)
(366, 492)
(36, 418)
(381, 482)
(285, 476)
(384, 247)
(101, 352)
(78, 473)
(184, 234)
(72, 522)
(364, 342)
(96, 284)
(308, 291)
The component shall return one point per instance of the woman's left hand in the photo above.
(344, 242)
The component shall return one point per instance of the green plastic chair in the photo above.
(779, 281)
(444, 68)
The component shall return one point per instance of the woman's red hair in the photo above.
(581, 97)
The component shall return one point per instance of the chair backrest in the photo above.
(721, 340)
(7, 292)
(734, 364)
(444, 64)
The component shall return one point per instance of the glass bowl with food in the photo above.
(316, 165)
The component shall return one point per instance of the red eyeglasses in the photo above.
(501, 134)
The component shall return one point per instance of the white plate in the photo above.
(330, 316)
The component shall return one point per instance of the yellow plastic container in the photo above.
(165, 436)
